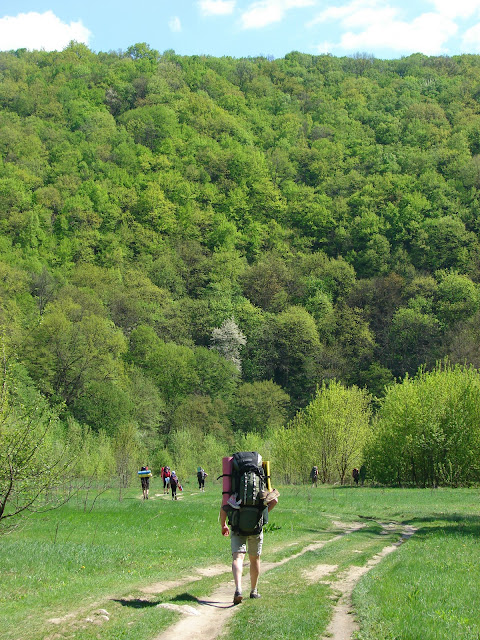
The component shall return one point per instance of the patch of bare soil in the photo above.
(77, 620)
(179, 608)
(61, 620)
(343, 623)
(214, 570)
(320, 571)
(341, 525)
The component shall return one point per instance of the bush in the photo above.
(428, 429)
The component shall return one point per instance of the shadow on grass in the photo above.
(138, 603)
(184, 597)
(311, 530)
(135, 604)
(187, 597)
(448, 524)
(181, 598)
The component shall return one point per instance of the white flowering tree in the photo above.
(228, 340)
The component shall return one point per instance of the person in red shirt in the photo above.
(166, 479)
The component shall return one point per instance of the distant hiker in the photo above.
(356, 475)
(174, 484)
(314, 475)
(145, 481)
(363, 474)
(166, 479)
(201, 475)
(247, 511)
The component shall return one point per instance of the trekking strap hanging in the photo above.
(225, 475)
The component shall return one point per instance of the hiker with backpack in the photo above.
(145, 481)
(356, 475)
(174, 484)
(314, 475)
(166, 479)
(247, 511)
(201, 475)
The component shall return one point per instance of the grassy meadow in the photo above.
(67, 564)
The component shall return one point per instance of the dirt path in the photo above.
(208, 619)
(343, 623)
(205, 621)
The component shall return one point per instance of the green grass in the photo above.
(72, 561)
(432, 584)
(285, 609)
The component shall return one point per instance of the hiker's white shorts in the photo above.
(241, 543)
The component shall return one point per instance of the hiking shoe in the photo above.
(237, 598)
(254, 594)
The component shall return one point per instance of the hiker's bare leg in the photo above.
(254, 571)
(237, 568)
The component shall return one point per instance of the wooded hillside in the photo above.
(199, 243)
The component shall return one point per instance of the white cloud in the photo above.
(471, 39)
(427, 34)
(370, 25)
(40, 31)
(265, 12)
(457, 8)
(367, 16)
(347, 11)
(217, 7)
(175, 24)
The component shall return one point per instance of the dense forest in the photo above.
(193, 247)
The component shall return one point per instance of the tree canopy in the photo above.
(182, 234)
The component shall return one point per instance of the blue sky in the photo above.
(383, 28)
